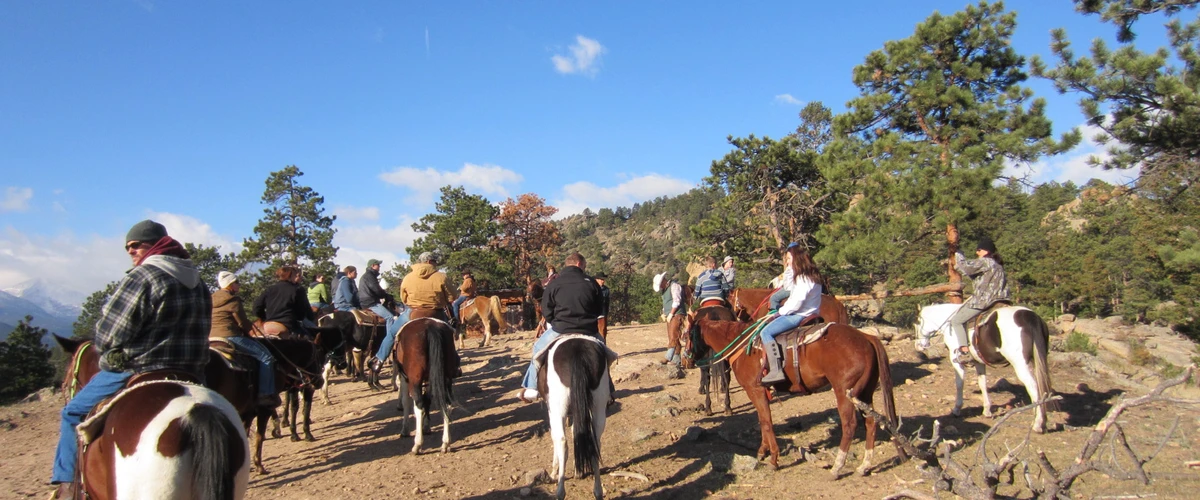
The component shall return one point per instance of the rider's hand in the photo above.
(669, 316)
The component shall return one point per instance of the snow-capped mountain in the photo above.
(59, 301)
(14, 309)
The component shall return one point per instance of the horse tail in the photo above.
(436, 352)
(586, 366)
(498, 313)
(206, 430)
(1041, 368)
(885, 380)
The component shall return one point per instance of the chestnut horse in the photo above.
(158, 438)
(424, 355)
(714, 376)
(486, 310)
(749, 304)
(850, 361)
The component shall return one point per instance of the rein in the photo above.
(745, 338)
(73, 387)
(305, 375)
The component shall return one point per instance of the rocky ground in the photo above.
(659, 443)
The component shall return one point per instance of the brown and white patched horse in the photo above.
(425, 358)
(486, 310)
(159, 438)
(575, 380)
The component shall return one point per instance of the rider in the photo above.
(571, 304)
(672, 297)
(375, 298)
(466, 291)
(803, 303)
(605, 293)
(318, 294)
(711, 284)
(285, 302)
(423, 290)
(230, 323)
(345, 298)
(728, 270)
(157, 319)
(991, 285)
(786, 281)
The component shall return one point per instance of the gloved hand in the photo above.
(669, 316)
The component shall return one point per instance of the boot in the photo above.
(64, 491)
(775, 373)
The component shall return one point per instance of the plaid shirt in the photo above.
(154, 322)
(711, 283)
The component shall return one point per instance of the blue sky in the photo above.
(119, 110)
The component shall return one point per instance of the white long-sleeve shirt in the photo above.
(805, 298)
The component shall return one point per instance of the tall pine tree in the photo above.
(294, 231)
(24, 362)
(460, 233)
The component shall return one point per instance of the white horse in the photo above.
(577, 387)
(1009, 335)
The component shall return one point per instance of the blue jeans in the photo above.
(266, 363)
(393, 326)
(103, 385)
(780, 325)
(672, 356)
(531, 374)
(455, 305)
(958, 323)
(778, 297)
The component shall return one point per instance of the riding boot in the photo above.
(64, 491)
(775, 373)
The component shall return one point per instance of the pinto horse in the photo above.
(424, 355)
(358, 340)
(575, 381)
(715, 376)
(853, 363)
(486, 310)
(158, 438)
(1010, 335)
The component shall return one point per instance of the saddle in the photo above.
(92, 427)
(427, 312)
(712, 301)
(367, 317)
(467, 303)
(234, 359)
(807, 332)
(275, 329)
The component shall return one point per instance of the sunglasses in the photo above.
(136, 244)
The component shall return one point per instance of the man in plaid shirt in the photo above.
(157, 319)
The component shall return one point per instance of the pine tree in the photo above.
(24, 362)
(939, 114)
(85, 325)
(210, 262)
(459, 233)
(293, 231)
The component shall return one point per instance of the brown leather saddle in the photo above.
(367, 317)
(794, 340)
(275, 329)
(233, 358)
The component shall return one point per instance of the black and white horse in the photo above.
(577, 388)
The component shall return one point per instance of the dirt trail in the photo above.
(497, 448)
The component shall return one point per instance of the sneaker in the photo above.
(527, 395)
(964, 358)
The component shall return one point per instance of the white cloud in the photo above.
(1073, 165)
(188, 229)
(787, 99)
(348, 213)
(357, 244)
(15, 199)
(579, 195)
(584, 58)
(425, 183)
(78, 264)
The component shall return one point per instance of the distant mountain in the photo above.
(59, 301)
(14, 309)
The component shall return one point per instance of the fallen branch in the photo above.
(925, 290)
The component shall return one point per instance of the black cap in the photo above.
(985, 243)
(600, 276)
(147, 230)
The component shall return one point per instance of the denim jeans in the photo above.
(673, 356)
(393, 326)
(103, 385)
(456, 304)
(778, 297)
(266, 363)
(958, 323)
(531, 374)
(780, 325)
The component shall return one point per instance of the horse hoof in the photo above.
(445, 448)
(262, 471)
(295, 439)
(310, 439)
(416, 451)
(861, 471)
(276, 434)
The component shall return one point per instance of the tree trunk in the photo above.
(955, 296)
(947, 288)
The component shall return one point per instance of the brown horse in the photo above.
(425, 355)
(749, 304)
(486, 310)
(714, 376)
(850, 361)
(161, 437)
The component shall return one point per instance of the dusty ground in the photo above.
(358, 453)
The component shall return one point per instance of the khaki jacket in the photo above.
(228, 315)
(467, 289)
(425, 286)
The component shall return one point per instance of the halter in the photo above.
(746, 338)
(72, 387)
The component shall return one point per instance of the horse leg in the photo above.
(1025, 374)
(758, 396)
(599, 419)
(958, 387)
(981, 380)
(276, 430)
(293, 411)
(422, 406)
(446, 430)
(487, 332)
(705, 382)
(260, 420)
(724, 368)
(849, 418)
(405, 403)
(308, 397)
(558, 436)
(865, 466)
(325, 389)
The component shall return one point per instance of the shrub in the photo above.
(1079, 342)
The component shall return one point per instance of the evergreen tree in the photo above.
(210, 262)
(85, 325)
(939, 114)
(293, 231)
(460, 232)
(24, 362)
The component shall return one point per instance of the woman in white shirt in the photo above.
(803, 303)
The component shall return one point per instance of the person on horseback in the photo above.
(285, 302)
(318, 294)
(158, 318)
(375, 298)
(729, 271)
(465, 291)
(605, 294)
(711, 284)
(424, 288)
(672, 297)
(571, 304)
(802, 303)
(345, 298)
(551, 273)
(230, 323)
(785, 281)
(991, 286)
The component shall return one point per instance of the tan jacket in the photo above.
(228, 316)
(467, 289)
(425, 286)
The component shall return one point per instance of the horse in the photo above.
(487, 310)
(533, 297)
(749, 304)
(424, 354)
(360, 340)
(575, 381)
(1010, 335)
(714, 376)
(853, 363)
(160, 437)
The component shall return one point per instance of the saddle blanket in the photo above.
(229, 353)
(540, 356)
(92, 427)
(803, 335)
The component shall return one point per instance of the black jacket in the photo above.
(283, 302)
(369, 291)
(572, 303)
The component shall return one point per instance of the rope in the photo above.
(745, 338)
(75, 372)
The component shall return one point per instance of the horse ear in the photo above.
(69, 346)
